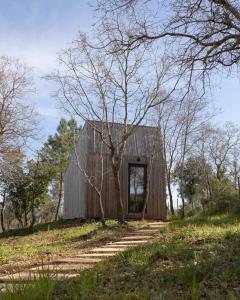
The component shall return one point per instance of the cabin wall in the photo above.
(144, 141)
(80, 199)
(156, 207)
(75, 182)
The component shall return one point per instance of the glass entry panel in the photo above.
(136, 187)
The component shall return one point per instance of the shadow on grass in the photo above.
(43, 227)
(108, 233)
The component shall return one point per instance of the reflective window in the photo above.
(137, 186)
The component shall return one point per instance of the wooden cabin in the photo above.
(142, 166)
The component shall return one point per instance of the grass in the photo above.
(197, 258)
(20, 249)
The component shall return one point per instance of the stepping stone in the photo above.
(2, 287)
(149, 231)
(77, 260)
(155, 227)
(100, 255)
(8, 286)
(137, 237)
(129, 242)
(60, 268)
(108, 249)
(116, 246)
(155, 222)
(30, 276)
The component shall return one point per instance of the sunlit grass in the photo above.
(22, 247)
(197, 258)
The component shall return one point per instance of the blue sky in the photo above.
(35, 30)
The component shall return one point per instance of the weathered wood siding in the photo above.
(144, 140)
(156, 206)
(75, 183)
(80, 200)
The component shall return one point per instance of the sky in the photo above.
(36, 30)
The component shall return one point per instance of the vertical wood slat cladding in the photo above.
(143, 144)
(156, 207)
(75, 184)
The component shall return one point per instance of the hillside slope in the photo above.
(197, 258)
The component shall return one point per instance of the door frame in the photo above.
(138, 165)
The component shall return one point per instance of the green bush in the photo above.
(224, 196)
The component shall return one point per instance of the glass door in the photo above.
(137, 178)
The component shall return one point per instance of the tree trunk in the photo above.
(170, 196)
(238, 183)
(1, 212)
(25, 219)
(118, 193)
(2, 220)
(33, 217)
(59, 196)
(102, 211)
(147, 188)
(181, 188)
(183, 207)
(33, 211)
(218, 172)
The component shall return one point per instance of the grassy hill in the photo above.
(19, 248)
(198, 258)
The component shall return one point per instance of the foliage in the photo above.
(195, 258)
(193, 177)
(224, 195)
(56, 152)
(29, 189)
(25, 185)
(40, 290)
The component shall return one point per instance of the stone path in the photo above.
(70, 267)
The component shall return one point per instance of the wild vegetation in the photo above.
(20, 249)
(192, 259)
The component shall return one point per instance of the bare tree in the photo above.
(179, 123)
(110, 87)
(208, 30)
(194, 118)
(171, 128)
(221, 146)
(95, 181)
(16, 116)
(200, 151)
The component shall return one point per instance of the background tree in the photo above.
(179, 123)
(56, 152)
(39, 175)
(9, 164)
(17, 119)
(214, 154)
(193, 181)
(222, 146)
(28, 190)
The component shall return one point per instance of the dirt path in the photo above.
(70, 267)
